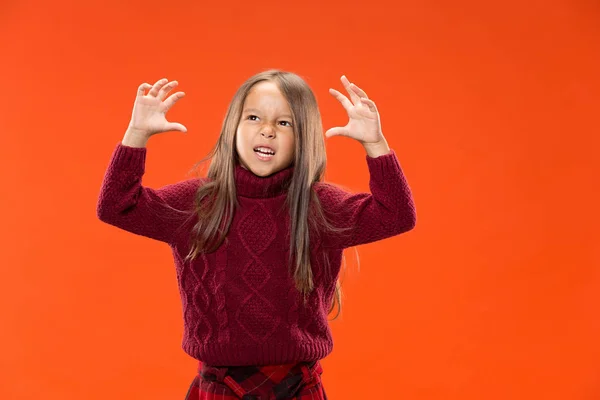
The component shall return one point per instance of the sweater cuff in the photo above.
(384, 165)
(129, 159)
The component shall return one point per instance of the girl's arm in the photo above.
(155, 213)
(387, 211)
(123, 201)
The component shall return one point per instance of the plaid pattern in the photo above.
(272, 382)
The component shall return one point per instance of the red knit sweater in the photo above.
(240, 305)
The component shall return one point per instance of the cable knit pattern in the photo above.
(239, 303)
(256, 313)
(201, 304)
(219, 291)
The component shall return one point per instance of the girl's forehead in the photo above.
(265, 88)
(266, 97)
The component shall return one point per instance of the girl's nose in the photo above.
(267, 132)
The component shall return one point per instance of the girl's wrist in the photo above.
(135, 138)
(377, 149)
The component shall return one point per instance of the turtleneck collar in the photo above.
(250, 185)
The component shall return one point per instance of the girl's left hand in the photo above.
(364, 124)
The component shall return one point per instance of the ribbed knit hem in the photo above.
(230, 354)
(383, 165)
(129, 159)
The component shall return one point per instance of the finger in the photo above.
(343, 99)
(156, 87)
(176, 126)
(171, 100)
(337, 131)
(355, 98)
(162, 93)
(358, 91)
(142, 88)
(369, 103)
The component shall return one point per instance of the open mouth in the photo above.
(264, 153)
(264, 150)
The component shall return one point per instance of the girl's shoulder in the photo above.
(330, 189)
(181, 194)
(185, 186)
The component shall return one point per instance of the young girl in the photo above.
(258, 242)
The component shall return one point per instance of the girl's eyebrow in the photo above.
(247, 110)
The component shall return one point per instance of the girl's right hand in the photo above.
(148, 116)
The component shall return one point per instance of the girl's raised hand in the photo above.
(363, 124)
(148, 116)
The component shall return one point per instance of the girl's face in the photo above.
(266, 122)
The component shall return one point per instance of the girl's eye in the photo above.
(254, 118)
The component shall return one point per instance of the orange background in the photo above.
(491, 108)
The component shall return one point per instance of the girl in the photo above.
(258, 242)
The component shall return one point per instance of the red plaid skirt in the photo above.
(271, 382)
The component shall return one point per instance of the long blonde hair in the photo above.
(216, 200)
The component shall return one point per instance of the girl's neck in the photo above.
(250, 185)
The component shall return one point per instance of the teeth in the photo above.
(264, 150)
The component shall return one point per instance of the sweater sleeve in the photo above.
(126, 204)
(387, 211)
